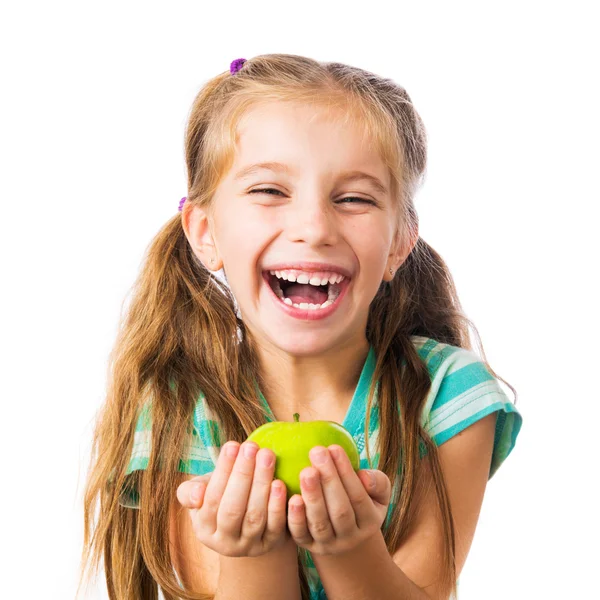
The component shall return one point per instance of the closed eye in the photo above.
(365, 200)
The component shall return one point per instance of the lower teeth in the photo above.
(304, 305)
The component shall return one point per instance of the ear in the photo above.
(198, 230)
(404, 242)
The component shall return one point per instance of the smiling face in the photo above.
(308, 222)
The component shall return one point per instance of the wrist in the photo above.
(375, 544)
(270, 576)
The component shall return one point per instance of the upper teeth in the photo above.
(321, 279)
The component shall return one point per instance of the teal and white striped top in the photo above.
(462, 392)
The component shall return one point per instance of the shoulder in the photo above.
(463, 392)
(439, 356)
(459, 378)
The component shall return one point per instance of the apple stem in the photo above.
(296, 417)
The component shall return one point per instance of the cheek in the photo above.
(372, 253)
(241, 244)
(235, 233)
(371, 250)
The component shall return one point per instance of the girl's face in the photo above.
(308, 219)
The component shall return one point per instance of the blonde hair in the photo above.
(182, 327)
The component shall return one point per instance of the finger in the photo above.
(317, 516)
(232, 510)
(190, 493)
(339, 511)
(276, 514)
(217, 484)
(379, 488)
(355, 486)
(255, 519)
(297, 523)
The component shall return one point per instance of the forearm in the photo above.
(272, 576)
(368, 573)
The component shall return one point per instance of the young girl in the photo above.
(301, 182)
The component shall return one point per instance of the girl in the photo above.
(301, 184)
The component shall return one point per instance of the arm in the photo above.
(370, 573)
(271, 576)
(236, 525)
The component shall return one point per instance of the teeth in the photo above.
(278, 291)
(332, 293)
(306, 306)
(303, 278)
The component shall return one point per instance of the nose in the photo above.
(313, 223)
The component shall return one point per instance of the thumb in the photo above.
(190, 493)
(377, 484)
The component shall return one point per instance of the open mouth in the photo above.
(312, 291)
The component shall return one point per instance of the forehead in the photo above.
(305, 137)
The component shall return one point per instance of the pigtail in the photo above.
(182, 336)
(420, 300)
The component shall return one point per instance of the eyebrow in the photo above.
(346, 176)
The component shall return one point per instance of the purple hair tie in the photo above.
(236, 65)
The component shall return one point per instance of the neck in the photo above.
(314, 385)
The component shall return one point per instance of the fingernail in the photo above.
(310, 481)
(195, 493)
(266, 460)
(320, 456)
(371, 478)
(231, 450)
(250, 450)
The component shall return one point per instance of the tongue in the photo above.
(304, 292)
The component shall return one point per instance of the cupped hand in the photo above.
(338, 509)
(239, 509)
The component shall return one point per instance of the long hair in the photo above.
(182, 334)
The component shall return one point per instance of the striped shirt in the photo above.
(463, 391)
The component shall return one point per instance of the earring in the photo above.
(212, 260)
(391, 272)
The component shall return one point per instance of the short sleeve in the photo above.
(200, 453)
(464, 391)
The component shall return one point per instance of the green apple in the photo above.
(291, 443)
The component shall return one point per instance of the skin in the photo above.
(339, 510)
(311, 367)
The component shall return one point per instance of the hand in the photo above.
(240, 512)
(336, 514)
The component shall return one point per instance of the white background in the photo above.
(93, 107)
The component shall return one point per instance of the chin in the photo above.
(302, 344)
